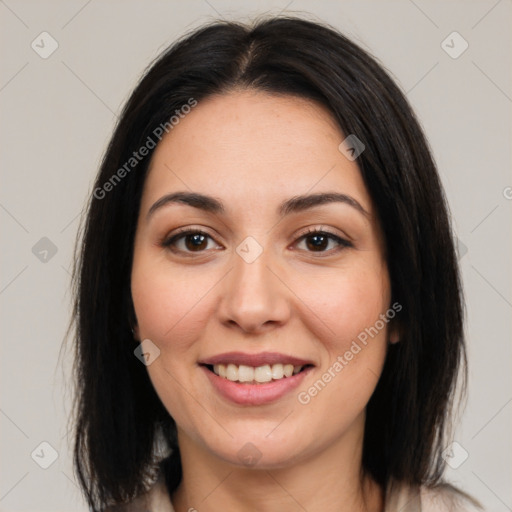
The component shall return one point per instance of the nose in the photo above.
(254, 297)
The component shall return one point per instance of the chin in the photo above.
(258, 451)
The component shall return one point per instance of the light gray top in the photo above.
(399, 498)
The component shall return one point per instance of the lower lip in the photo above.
(255, 394)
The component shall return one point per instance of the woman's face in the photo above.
(273, 279)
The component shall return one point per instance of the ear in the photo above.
(395, 331)
(132, 322)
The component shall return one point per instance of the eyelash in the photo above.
(183, 232)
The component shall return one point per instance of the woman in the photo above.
(269, 311)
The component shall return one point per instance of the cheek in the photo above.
(171, 307)
(354, 355)
(172, 310)
(348, 304)
(352, 305)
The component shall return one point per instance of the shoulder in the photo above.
(399, 498)
(156, 499)
(446, 497)
(442, 497)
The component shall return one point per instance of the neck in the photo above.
(328, 481)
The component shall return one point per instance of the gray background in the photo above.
(58, 113)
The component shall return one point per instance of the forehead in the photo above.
(254, 149)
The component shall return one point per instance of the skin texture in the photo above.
(252, 151)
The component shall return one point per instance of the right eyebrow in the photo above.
(201, 201)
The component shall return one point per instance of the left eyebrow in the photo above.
(293, 205)
(304, 202)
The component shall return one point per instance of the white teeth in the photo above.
(288, 370)
(261, 374)
(245, 373)
(277, 371)
(231, 372)
(221, 370)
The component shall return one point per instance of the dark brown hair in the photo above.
(118, 413)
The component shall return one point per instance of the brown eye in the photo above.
(318, 241)
(195, 242)
(189, 241)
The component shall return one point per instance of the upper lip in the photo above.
(254, 360)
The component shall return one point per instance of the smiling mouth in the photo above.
(256, 375)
